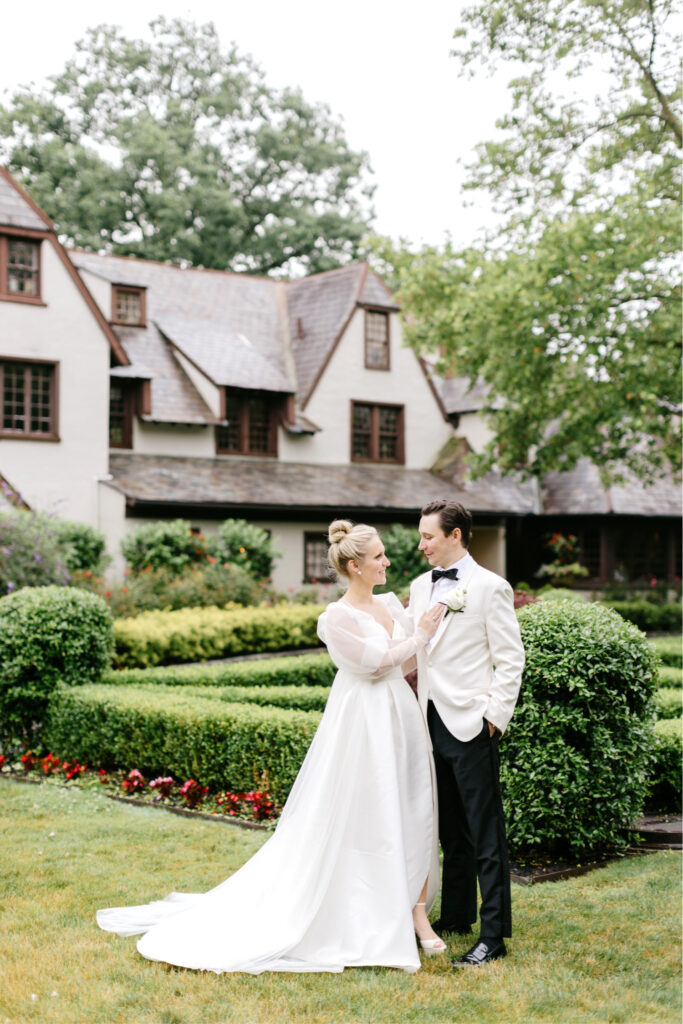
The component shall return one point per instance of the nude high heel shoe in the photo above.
(430, 947)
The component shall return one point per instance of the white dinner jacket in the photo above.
(472, 667)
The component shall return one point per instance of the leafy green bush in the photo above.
(401, 546)
(665, 773)
(83, 546)
(169, 544)
(668, 703)
(575, 757)
(293, 698)
(667, 676)
(241, 543)
(198, 634)
(48, 636)
(297, 670)
(224, 746)
(650, 617)
(669, 650)
(165, 590)
(30, 554)
(559, 594)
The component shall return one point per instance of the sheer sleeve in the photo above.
(357, 642)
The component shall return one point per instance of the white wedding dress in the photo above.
(335, 884)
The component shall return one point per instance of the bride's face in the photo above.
(374, 564)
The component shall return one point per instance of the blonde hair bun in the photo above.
(338, 530)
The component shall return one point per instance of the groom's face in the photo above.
(440, 548)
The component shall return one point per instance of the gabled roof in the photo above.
(18, 212)
(320, 308)
(173, 397)
(580, 491)
(226, 324)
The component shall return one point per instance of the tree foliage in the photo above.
(173, 149)
(571, 314)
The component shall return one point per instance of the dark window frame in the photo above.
(5, 294)
(243, 445)
(387, 317)
(374, 433)
(317, 537)
(128, 402)
(135, 290)
(32, 435)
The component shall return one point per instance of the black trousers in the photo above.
(472, 829)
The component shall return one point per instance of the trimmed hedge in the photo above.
(294, 670)
(665, 772)
(223, 746)
(670, 677)
(293, 698)
(669, 649)
(650, 617)
(198, 634)
(668, 703)
(575, 759)
(48, 636)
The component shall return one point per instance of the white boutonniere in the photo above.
(455, 600)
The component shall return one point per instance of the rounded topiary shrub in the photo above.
(575, 757)
(48, 635)
(246, 545)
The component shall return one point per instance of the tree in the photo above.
(175, 150)
(571, 314)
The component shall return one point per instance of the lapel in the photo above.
(443, 625)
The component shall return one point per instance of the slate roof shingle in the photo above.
(16, 212)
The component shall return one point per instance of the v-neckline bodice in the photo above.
(371, 616)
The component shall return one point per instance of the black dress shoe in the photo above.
(480, 953)
(440, 926)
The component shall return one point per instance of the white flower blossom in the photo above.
(455, 600)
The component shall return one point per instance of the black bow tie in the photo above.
(445, 574)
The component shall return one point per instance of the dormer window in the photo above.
(251, 429)
(128, 305)
(376, 340)
(19, 268)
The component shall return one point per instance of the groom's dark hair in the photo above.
(452, 515)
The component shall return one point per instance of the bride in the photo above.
(347, 877)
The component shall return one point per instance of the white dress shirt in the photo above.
(442, 586)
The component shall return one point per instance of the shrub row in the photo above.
(670, 677)
(669, 650)
(665, 769)
(650, 617)
(198, 634)
(668, 703)
(224, 746)
(293, 698)
(293, 670)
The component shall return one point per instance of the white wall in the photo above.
(173, 439)
(61, 476)
(346, 379)
(474, 428)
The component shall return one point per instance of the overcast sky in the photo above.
(382, 65)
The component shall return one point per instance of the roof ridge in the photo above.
(174, 266)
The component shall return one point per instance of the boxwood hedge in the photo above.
(669, 650)
(48, 636)
(665, 775)
(198, 634)
(650, 617)
(294, 698)
(293, 670)
(575, 758)
(670, 677)
(223, 746)
(668, 703)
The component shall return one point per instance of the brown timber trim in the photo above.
(432, 388)
(24, 435)
(50, 235)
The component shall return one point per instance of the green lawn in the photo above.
(600, 948)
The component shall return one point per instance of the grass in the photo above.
(600, 948)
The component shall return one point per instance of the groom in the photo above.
(468, 683)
